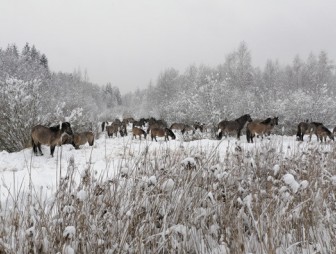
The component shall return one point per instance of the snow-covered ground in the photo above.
(203, 189)
(107, 155)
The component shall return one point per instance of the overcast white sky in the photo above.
(129, 42)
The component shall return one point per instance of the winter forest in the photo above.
(31, 93)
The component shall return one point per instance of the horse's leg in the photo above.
(52, 149)
(238, 134)
(39, 147)
(248, 135)
(35, 149)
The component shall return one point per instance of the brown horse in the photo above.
(233, 126)
(307, 128)
(115, 127)
(51, 136)
(138, 132)
(323, 132)
(159, 132)
(260, 128)
(82, 138)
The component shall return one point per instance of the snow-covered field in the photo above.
(106, 157)
(208, 196)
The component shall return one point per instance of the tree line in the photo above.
(32, 94)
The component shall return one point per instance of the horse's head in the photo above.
(170, 133)
(65, 127)
(248, 118)
(275, 120)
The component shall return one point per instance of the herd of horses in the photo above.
(63, 134)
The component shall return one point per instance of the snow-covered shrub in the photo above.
(21, 109)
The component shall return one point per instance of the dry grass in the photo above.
(236, 202)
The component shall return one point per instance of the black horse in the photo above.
(234, 126)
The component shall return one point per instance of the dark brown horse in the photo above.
(50, 136)
(141, 123)
(83, 138)
(138, 132)
(323, 132)
(114, 128)
(159, 132)
(235, 126)
(307, 128)
(260, 128)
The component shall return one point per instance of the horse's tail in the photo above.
(220, 134)
(248, 135)
(33, 144)
(91, 139)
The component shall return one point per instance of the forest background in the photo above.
(31, 93)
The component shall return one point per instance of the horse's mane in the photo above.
(242, 117)
(55, 128)
(326, 129)
(267, 121)
(316, 123)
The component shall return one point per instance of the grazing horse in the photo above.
(323, 132)
(67, 139)
(82, 138)
(260, 128)
(138, 132)
(307, 128)
(158, 132)
(51, 136)
(233, 126)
